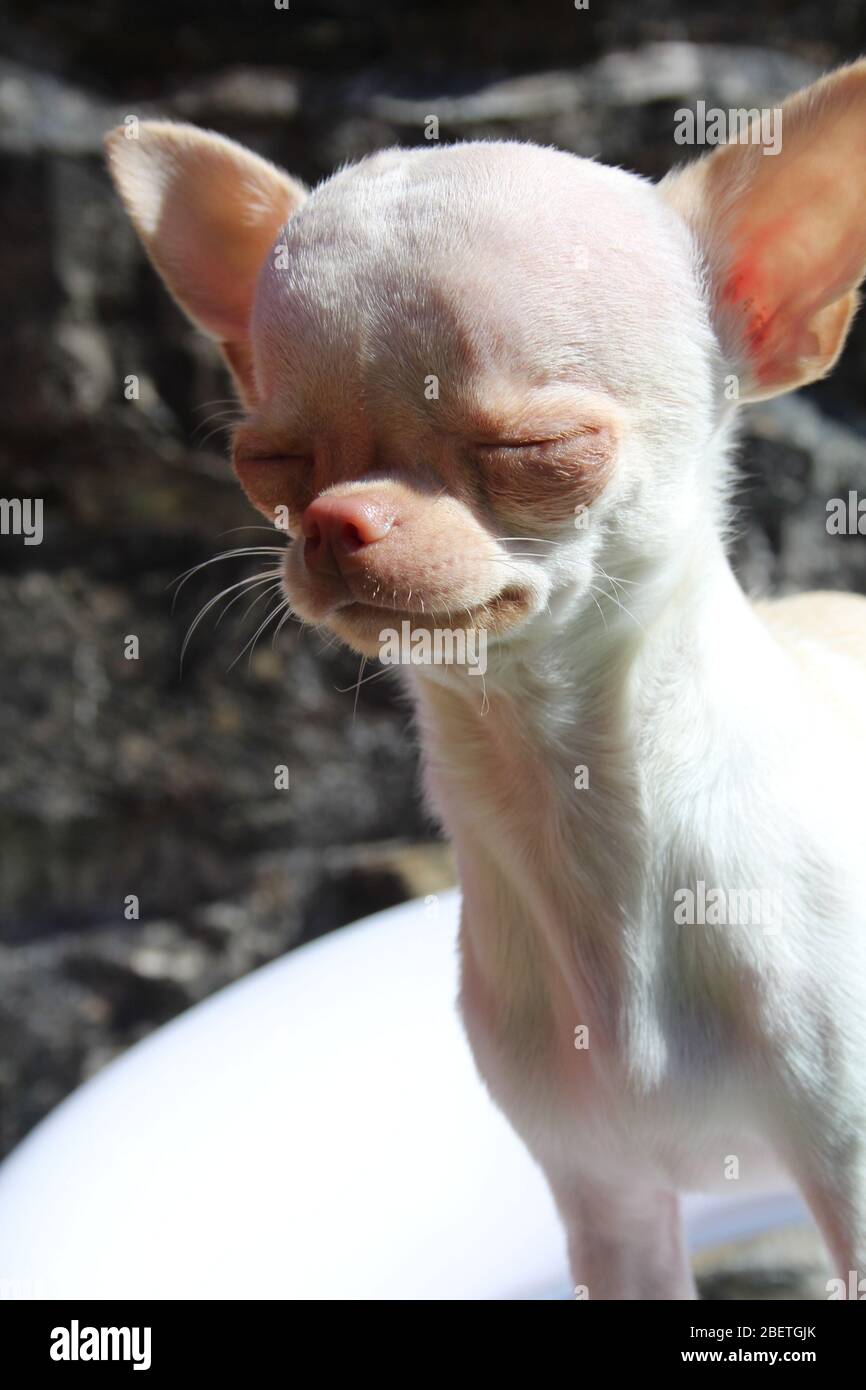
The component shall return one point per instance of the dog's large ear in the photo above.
(784, 234)
(208, 212)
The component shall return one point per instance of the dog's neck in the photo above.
(549, 783)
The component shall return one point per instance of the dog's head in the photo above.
(473, 372)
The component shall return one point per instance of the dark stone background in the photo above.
(120, 777)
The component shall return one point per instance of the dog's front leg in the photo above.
(624, 1244)
(832, 1180)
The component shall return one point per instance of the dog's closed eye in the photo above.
(272, 479)
(543, 480)
(515, 443)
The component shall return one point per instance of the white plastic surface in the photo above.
(317, 1130)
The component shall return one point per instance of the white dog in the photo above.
(494, 386)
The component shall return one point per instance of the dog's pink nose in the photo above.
(337, 526)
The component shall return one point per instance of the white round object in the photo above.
(315, 1131)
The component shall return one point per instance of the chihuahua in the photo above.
(493, 388)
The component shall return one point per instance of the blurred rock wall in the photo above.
(123, 777)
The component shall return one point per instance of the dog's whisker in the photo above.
(358, 687)
(250, 646)
(533, 540)
(256, 601)
(288, 616)
(592, 593)
(182, 579)
(272, 530)
(374, 676)
(612, 579)
(609, 594)
(242, 584)
(219, 429)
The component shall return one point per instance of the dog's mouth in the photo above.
(364, 605)
(365, 626)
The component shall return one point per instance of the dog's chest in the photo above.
(549, 863)
(582, 1021)
(594, 1042)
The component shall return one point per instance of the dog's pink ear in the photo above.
(784, 234)
(208, 212)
